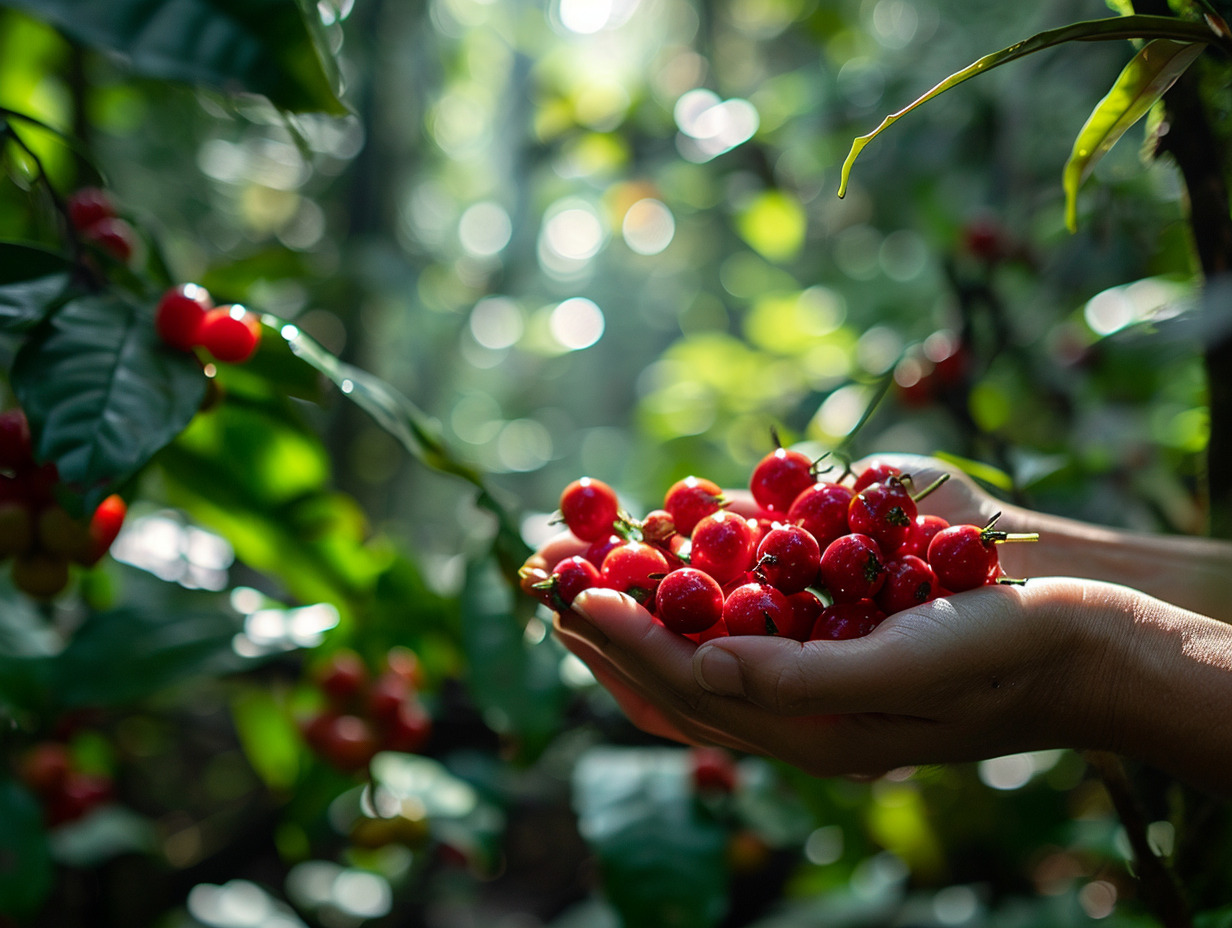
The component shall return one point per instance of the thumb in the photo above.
(789, 677)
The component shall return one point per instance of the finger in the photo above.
(908, 666)
(641, 712)
(643, 704)
(559, 547)
(660, 663)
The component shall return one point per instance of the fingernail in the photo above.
(719, 672)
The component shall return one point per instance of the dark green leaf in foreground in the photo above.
(32, 281)
(1138, 87)
(25, 860)
(125, 654)
(267, 47)
(102, 392)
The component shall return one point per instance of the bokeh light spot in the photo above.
(485, 229)
(496, 323)
(576, 323)
(648, 227)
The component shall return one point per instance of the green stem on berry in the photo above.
(916, 497)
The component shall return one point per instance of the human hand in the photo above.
(979, 674)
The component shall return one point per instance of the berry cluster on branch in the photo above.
(363, 714)
(36, 531)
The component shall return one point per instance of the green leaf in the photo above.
(993, 476)
(260, 478)
(662, 855)
(1138, 87)
(270, 739)
(102, 392)
(416, 432)
(515, 683)
(32, 281)
(123, 655)
(1121, 27)
(268, 47)
(25, 860)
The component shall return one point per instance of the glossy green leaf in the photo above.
(32, 282)
(261, 479)
(1138, 87)
(1121, 27)
(25, 860)
(102, 392)
(125, 654)
(268, 47)
(420, 435)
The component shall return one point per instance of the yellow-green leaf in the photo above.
(1145, 79)
(1118, 27)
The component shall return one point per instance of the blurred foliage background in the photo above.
(574, 237)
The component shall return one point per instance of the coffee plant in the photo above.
(309, 311)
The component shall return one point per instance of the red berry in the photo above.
(347, 742)
(844, 621)
(229, 333)
(688, 601)
(342, 678)
(635, 568)
(408, 729)
(712, 770)
(104, 527)
(756, 609)
(589, 508)
(179, 315)
(78, 795)
(883, 511)
(909, 582)
(45, 767)
(875, 473)
(789, 558)
(88, 206)
(780, 477)
(722, 545)
(658, 526)
(821, 510)
(692, 499)
(387, 692)
(852, 568)
(599, 548)
(568, 578)
(805, 608)
(16, 450)
(921, 533)
(963, 557)
(115, 236)
(405, 663)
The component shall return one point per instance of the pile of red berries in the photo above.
(186, 318)
(65, 792)
(93, 215)
(36, 532)
(820, 559)
(364, 715)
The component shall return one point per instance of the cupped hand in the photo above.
(979, 674)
